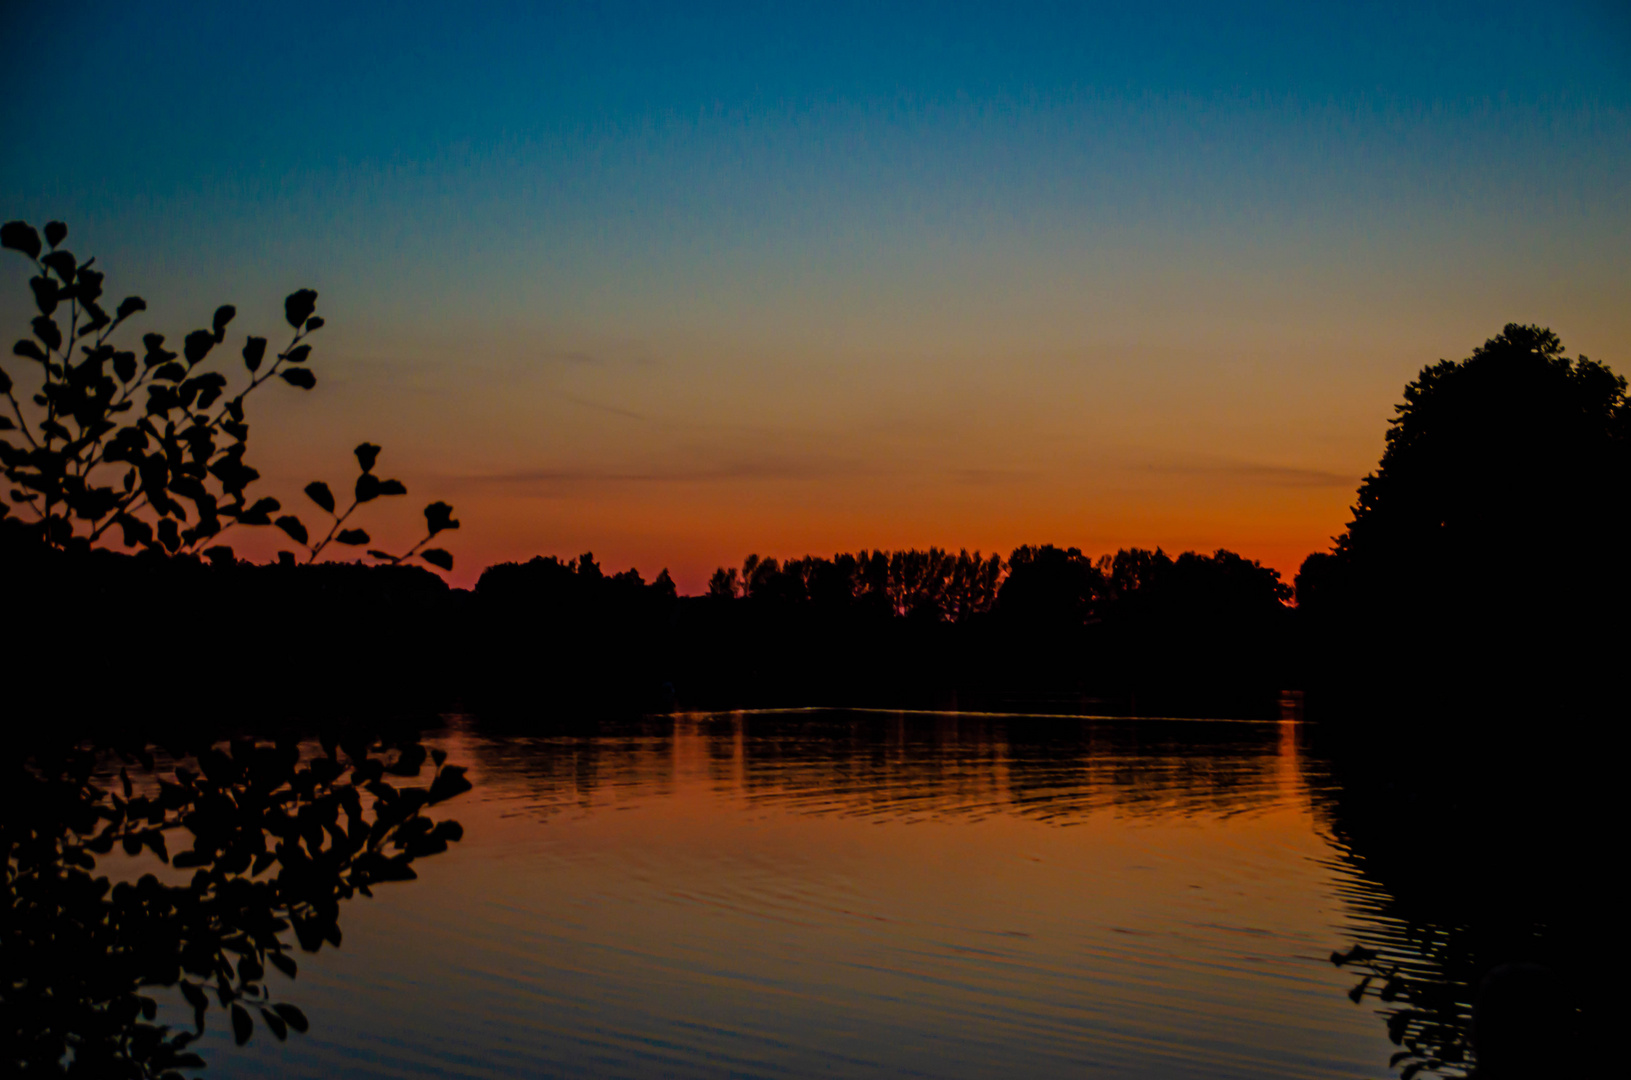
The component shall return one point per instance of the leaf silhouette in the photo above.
(197, 345)
(242, 1025)
(318, 492)
(367, 454)
(352, 537)
(195, 997)
(137, 533)
(450, 781)
(45, 293)
(55, 233)
(63, 263)
(129, 306)
(439, 516)
(20, 236)
(48, 331)
(292, 525)
(223, 315)
(299, 305)
(292, 1016)
(275, 1022)
(254, 353)
(437, 557)
(301, 377)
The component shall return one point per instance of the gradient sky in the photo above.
(677, 287)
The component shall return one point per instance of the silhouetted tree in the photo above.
(1516, 449)
(1493, 529)
(1131, 569)
(1050, 588)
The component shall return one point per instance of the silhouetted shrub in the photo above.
(109, 440)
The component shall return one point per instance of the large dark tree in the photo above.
(1490, 541)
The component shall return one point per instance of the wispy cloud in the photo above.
(615, 410)
(696, 468)
(1259, 473)
(982, 477)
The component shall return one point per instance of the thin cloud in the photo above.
(992, 477)
(768, 467)
(615, 410)
(1256, 472)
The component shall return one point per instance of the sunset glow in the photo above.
(678, 288)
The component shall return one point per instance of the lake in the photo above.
(858, 894)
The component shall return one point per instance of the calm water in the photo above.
(854, 894)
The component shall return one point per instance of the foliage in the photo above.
(931, 583)
(367, 488)
(277, 841)
(112, 440)
(1489, 539)
(1047, 629)
(1517, 446)
(1423, 1017)
(1044, 585)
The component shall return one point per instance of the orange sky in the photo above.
(680, 287)
(689, 457)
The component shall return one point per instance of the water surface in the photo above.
(854, 894)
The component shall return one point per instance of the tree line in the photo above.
(1483, 566)
(1046, 627)
(1044, 582)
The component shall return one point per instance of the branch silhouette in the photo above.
(84, 459)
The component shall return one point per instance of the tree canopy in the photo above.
(1515, 443)
(1491, 535)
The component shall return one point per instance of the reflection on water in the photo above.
(857, 894)
(899, 766)
(1477, 900)
(869, 894)
(196, 879)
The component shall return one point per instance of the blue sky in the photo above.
(1133, 259)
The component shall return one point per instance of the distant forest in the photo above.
(1046, 629)
(1483, 570)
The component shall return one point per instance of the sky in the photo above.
(674, 285)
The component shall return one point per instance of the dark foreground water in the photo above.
(857, 894)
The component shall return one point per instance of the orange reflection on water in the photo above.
(864, 894)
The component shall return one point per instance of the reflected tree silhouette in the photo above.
(1478, 900)
(258, 846)
(1423, 1014)
(879, 763)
